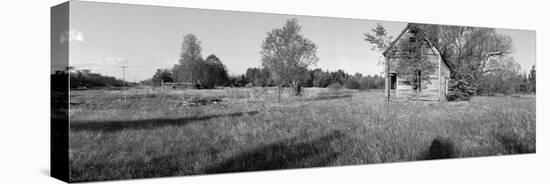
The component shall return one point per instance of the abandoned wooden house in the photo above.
(431, 86)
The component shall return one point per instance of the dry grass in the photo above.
(154, 134)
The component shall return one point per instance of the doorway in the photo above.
(393, 81)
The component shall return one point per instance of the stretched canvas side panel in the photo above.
(59, 76)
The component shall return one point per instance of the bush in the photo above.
(335, 86)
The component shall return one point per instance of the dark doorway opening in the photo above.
(393, 80)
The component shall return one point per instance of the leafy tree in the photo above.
(320, 78)
(381, 41)
(259, 77)
(211, 72)
(532, 80)
(192, 68)
(161, 76)
(503, 77)
(287, 55)
(189, 59)
(339, 76)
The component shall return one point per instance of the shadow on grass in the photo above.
(285, 155)
(113, 126)
(290, 153)
(440, 148)
(159, 166)
(513, 145)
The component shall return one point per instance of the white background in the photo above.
(24, 70)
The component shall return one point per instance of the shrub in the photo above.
(335, 86)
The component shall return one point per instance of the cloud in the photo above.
(90, 65)
(116, 61)
(71, 35)
(104, 63)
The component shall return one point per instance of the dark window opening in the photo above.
(417, 81)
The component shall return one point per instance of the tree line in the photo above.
(506, 78)
(86, 79)
(261, 77)
(286, 60)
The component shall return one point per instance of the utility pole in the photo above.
(124, 81)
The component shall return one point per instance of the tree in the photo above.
(189, 58)
(162, 76)
(339, 76)
(503, 77)
(287, 55)
(259, 77)
(467, 51)
(203, 73)
(533, 80)
(238, 81)
(380, 42)
(212, 72)
(461, 88)
(320, 78)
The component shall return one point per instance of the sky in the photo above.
(103, 37)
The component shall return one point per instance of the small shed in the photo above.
(432, 88)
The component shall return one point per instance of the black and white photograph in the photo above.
(153, 91)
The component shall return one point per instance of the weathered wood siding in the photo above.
(430, 88)
(445, 74)
(433, 89)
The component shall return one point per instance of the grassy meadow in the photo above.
(157, 133)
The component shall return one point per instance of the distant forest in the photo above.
(210, 72)
(84, 79)
(260, 77)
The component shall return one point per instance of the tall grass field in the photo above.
(158, 132)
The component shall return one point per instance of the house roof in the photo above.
(392, 44)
